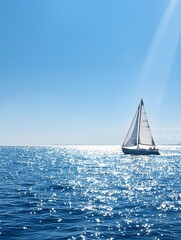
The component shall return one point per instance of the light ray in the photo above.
(157, 40)
(155, 71)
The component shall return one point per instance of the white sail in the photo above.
(132, 135)
(139, 140)
(139, 132)
(145, 136)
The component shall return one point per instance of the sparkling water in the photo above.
(89, 192)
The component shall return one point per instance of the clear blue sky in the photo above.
(73, 72)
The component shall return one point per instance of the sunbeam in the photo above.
(155, 71)
(157, 40)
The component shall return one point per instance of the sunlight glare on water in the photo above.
(89, 192)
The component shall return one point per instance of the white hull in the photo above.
(140, 151)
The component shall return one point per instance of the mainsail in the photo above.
(139, 132)
(145, 136)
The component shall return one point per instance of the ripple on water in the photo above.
(89, 192)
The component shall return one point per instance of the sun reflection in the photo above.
(98, 193)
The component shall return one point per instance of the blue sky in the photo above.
(73, 72)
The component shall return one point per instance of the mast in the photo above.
(139, 123)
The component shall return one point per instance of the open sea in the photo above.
(89, 192)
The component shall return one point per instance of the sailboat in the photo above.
(139, 140)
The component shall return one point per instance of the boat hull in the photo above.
(140, 151)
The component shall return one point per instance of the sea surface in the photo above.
(89, 192)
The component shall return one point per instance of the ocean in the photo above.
(89, 192)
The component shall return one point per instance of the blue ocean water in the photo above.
(89, 192)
